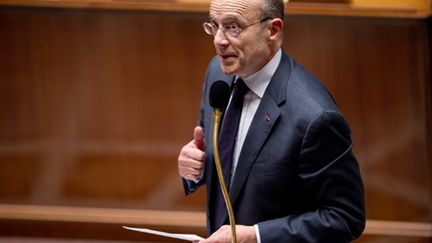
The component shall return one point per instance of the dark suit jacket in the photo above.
(297, 177)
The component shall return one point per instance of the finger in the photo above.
(190, 168)
(190, 156)
(187, 172)
(199, 137)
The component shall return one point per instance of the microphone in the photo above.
(218, 98)
(219, 95)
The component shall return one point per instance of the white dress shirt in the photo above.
(257, 84)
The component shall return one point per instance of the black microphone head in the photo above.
(219, 95)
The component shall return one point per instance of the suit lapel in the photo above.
(261, 126)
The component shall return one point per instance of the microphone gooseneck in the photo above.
(218, 99)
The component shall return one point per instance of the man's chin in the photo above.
(229, 69)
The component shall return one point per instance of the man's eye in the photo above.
(232, 27)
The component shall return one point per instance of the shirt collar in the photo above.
(259, 81)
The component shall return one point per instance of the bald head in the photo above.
(267, 8)
(245, 8)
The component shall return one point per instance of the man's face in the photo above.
(249, 51)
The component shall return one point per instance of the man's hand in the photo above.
(192, 155)
(245, 234)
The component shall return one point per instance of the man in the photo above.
(293, 176)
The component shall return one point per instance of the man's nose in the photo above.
(220, 39)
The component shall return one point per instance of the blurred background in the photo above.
(97, 97)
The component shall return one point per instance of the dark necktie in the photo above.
(227, 140)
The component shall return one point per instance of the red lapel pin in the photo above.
(267, 117)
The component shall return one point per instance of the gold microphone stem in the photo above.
(217, 116)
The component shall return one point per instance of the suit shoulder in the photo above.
(304, 87)
(214, 67)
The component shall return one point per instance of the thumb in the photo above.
(199, 137)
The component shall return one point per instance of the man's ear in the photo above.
(276, 27)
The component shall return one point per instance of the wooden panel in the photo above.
(377, 71)
(320, 1)
(85, 91)
(417, 4)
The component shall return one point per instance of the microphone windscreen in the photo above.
(219, 95)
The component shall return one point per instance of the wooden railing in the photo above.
(411, 9)
(172, 218)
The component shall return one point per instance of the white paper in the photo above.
(188, 237)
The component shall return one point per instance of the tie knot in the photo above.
(240, 88)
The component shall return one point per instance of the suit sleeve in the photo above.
(188, 185)
(329, 169)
